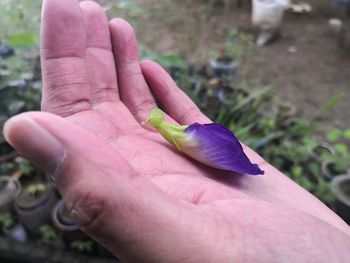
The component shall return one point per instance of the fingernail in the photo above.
(35, 143)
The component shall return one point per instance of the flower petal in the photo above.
(219, 148)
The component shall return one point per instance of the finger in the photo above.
(133, 88)
(116, 207)
(99, 56)
(64, 72)
(175, 102)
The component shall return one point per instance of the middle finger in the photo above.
(99, 57)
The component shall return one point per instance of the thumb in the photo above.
(111, 203)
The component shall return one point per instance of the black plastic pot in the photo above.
(5, 50)
(318, 151)
(9, 190)
(64, 222)
(328, 172)
(341, 188)
(35, 211)
(224, 67)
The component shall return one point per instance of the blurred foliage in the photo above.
(340, 157)
(237, 43)
(82, 245)
(6, 220)
(166, 59)
(48, 233)
(22, 22)
(35, 189)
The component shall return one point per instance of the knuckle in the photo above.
(144, 105)
(192, 113)
(64, 86)
(66, 108)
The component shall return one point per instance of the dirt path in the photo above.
(313, 74)
(307, 77)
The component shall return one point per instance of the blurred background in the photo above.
(275, 72)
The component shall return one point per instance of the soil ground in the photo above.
(307, 77)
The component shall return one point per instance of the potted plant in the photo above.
(29, 173)
(49, 236)
(224, 66)
(64, 222)
(82, 246)
(337, 162)
(318, 151)
(12, 228)
(341, 188)
(34, 206)
(9, 190)
(335, 166)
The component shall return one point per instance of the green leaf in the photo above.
(169, 60)
(48, 232)
(330, 104)
(297, 171)
(128, 6)
(314, 169)
(347, 134)
(36, 189)
(6, 219)
(342, 149)
(25, 167)
(334, 135)
(82, 245)
(24, 40)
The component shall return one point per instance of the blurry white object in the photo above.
(266, 36)
(300, 8)
(292, 49)
(335, 24)
(268, 13)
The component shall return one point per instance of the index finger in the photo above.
(64, 70)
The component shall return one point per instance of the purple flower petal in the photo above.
(221, 149)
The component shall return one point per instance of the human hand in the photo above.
(126, 186)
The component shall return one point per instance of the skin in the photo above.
(132, 191)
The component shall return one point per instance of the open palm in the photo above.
(92, 78)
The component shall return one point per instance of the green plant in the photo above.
(6, 220)
(7, 168)
(82, 245)
(166, 59)
(324, 192)
(297, 174)
(48, 233)
(22, 22)
(329, 104)
(36, 189)
(238, 44)
(25, 166)
(127, 9)
(340, 158)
